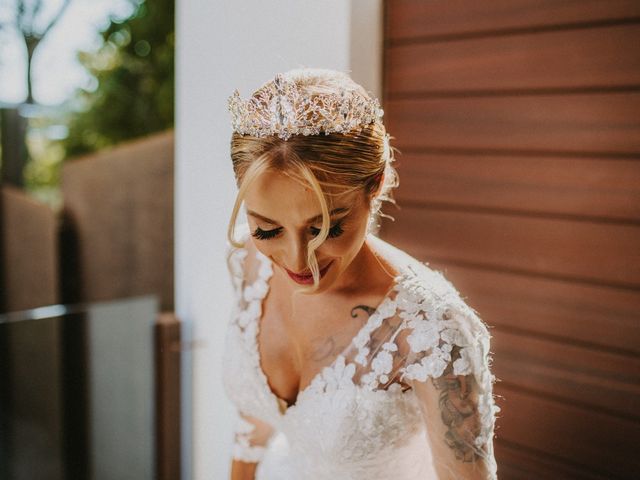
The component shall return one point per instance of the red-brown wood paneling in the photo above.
(517, 124)
(600, 442)
(602, 188)
(604, 123)
(593, 316)
(525, 463)
(548, 246)
(561, 59)
(560, 370)
(414, 20)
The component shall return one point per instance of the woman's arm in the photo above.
(448, 367)
(251, 438)
(454, 425)
(242, 470)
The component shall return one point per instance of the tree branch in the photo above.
(56, 18)
(35, 8)
(20, 16)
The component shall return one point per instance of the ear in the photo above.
(379, 189)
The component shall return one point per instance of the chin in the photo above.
(332, 275)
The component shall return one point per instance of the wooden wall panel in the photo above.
(517, 124)
(562, 370)
(593, 124)
(553, 247)
(581, 58)
(522, 463)
(589, 188)
(593, 316)
(409, 20)
(599, 442)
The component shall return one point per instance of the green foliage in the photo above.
(42, 173)
(134, 70)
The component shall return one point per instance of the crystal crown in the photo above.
(281, 109)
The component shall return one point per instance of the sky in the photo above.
(56, 71)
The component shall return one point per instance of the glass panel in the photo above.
(77, 391)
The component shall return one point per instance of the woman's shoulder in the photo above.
(425, 294)
(414, 276)
(434, 312)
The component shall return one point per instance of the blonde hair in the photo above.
(330, 165)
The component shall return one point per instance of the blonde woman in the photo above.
(345, 357)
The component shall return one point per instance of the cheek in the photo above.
(347, 244)
(263, 247)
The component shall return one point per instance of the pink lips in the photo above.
(307, 279)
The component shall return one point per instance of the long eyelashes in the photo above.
(266, 234)
(335, 231)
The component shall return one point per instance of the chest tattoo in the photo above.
(331, 346)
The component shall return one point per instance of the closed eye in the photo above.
(265, 234)
(335, 231)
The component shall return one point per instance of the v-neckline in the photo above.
(282, 404)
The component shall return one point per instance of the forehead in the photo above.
(277, 196)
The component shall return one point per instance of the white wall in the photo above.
(223, 45)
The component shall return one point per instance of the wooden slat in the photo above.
(518, 463)
(588, 315)
(29, 265)
(583, 58)
(589, 377)
(586, 251)
(167, 376)
(604, 123)
(407, 19)
(120, 201)
(602, 187)
(603, 443)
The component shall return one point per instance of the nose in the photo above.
(296, 254)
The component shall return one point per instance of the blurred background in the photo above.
(518, 125)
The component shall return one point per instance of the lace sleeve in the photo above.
(250, 439)
(446, 347)
(251, 435)
(235, 259)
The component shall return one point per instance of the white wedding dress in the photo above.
(367, 415)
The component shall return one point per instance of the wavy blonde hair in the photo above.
(331, 165)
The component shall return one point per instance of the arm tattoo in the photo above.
(459, 412)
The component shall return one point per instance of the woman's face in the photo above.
(284, 216)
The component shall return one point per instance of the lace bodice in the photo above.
(412, 390)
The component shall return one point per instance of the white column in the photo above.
(223, 45)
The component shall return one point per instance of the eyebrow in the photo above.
(311, 220)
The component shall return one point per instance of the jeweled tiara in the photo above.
(281, 109)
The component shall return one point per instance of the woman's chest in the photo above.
(333, 411)
(297, 339)
(342, 424)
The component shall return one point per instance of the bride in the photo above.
(345, 357)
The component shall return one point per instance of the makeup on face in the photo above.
(308, 279)
(284, 216)
(335, 230)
